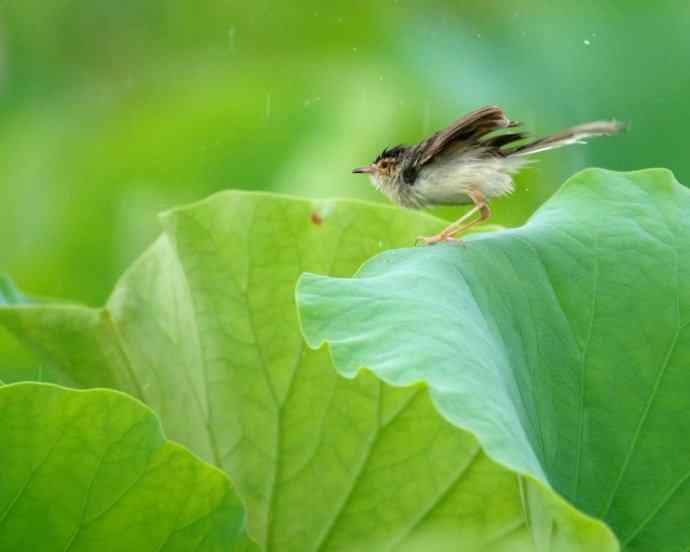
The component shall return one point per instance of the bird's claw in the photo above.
(431, 240)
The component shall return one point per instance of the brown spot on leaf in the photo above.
(316, 219)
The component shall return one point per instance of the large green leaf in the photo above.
(91, 471)
(564, 345)
(204, 328)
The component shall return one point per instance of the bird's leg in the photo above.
(447, 233)
(484, 212)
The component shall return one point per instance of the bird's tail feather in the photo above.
(575, 135)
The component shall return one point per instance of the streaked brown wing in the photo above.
(468, 129)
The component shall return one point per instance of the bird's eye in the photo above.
(383, 164)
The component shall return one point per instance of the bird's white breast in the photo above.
(447, 180)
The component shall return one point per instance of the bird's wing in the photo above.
(467, 130)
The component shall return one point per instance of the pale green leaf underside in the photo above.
(204, 329)
(563, 345)
(90, 471)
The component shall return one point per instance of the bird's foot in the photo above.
(440, 237)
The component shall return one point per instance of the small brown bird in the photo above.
(471, 161)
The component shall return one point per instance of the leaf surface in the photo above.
(91, 470)
(204, 329)
(563, 345)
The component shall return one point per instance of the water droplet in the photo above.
(426, 117)
(310, 101)
(587, 42)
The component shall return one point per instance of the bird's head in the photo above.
(385, 169)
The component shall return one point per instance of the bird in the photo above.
(470, 162)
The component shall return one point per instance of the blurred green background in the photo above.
(114, 111)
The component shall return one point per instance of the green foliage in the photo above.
(180, 100)
(203, 328)
(90, 470)
(499, 392)
(562, 345)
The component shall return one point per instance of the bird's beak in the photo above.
(368, 169)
